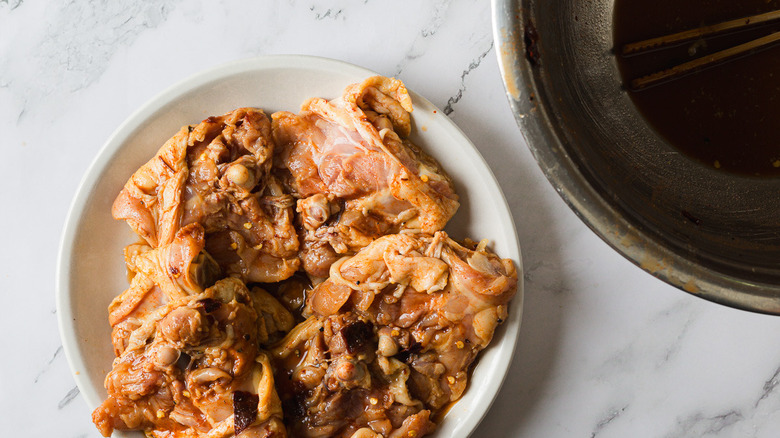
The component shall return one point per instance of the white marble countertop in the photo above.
(606, 350)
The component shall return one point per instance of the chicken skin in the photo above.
(188, 359)
(433, 303)
(355, 174)
(333, 382)
(216, 174)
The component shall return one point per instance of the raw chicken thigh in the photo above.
(334, 383)
(355, 174)
(397, 325)
(216, 174)
(188, 363)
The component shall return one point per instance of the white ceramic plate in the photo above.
(91, 271)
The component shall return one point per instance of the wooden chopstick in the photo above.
(654, 43)
(698, 63)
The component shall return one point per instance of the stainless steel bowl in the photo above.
(707, 232)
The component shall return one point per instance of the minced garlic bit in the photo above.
(412, 433)
(160, 413)
(451, 380)
(395, 332)
(185, 393)
(258, 247)
(459, 344)
(424, 178)
(373, 401)
(247, 225)
(234, 245)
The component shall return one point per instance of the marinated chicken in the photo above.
(355, 174)
(433, 304)
(188, 362)
(293, 277)
(334, 382)
(216, 174)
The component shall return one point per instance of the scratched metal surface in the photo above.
(707, 232)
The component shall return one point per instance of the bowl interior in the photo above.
(91, 270)
(706, 231)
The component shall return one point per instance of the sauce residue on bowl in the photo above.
(727, 115)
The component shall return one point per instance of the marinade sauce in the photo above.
(727, 115)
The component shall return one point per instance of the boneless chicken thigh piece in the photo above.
(390, 337)
(355, 174)
(188, 359)
(432, 303)
(333, 383)
(216, 174)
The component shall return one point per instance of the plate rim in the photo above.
(507, 334)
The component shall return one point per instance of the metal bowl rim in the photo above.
(631, 241)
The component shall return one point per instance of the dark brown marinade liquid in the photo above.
(728, 115)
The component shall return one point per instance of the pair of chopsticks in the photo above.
(704, 61)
